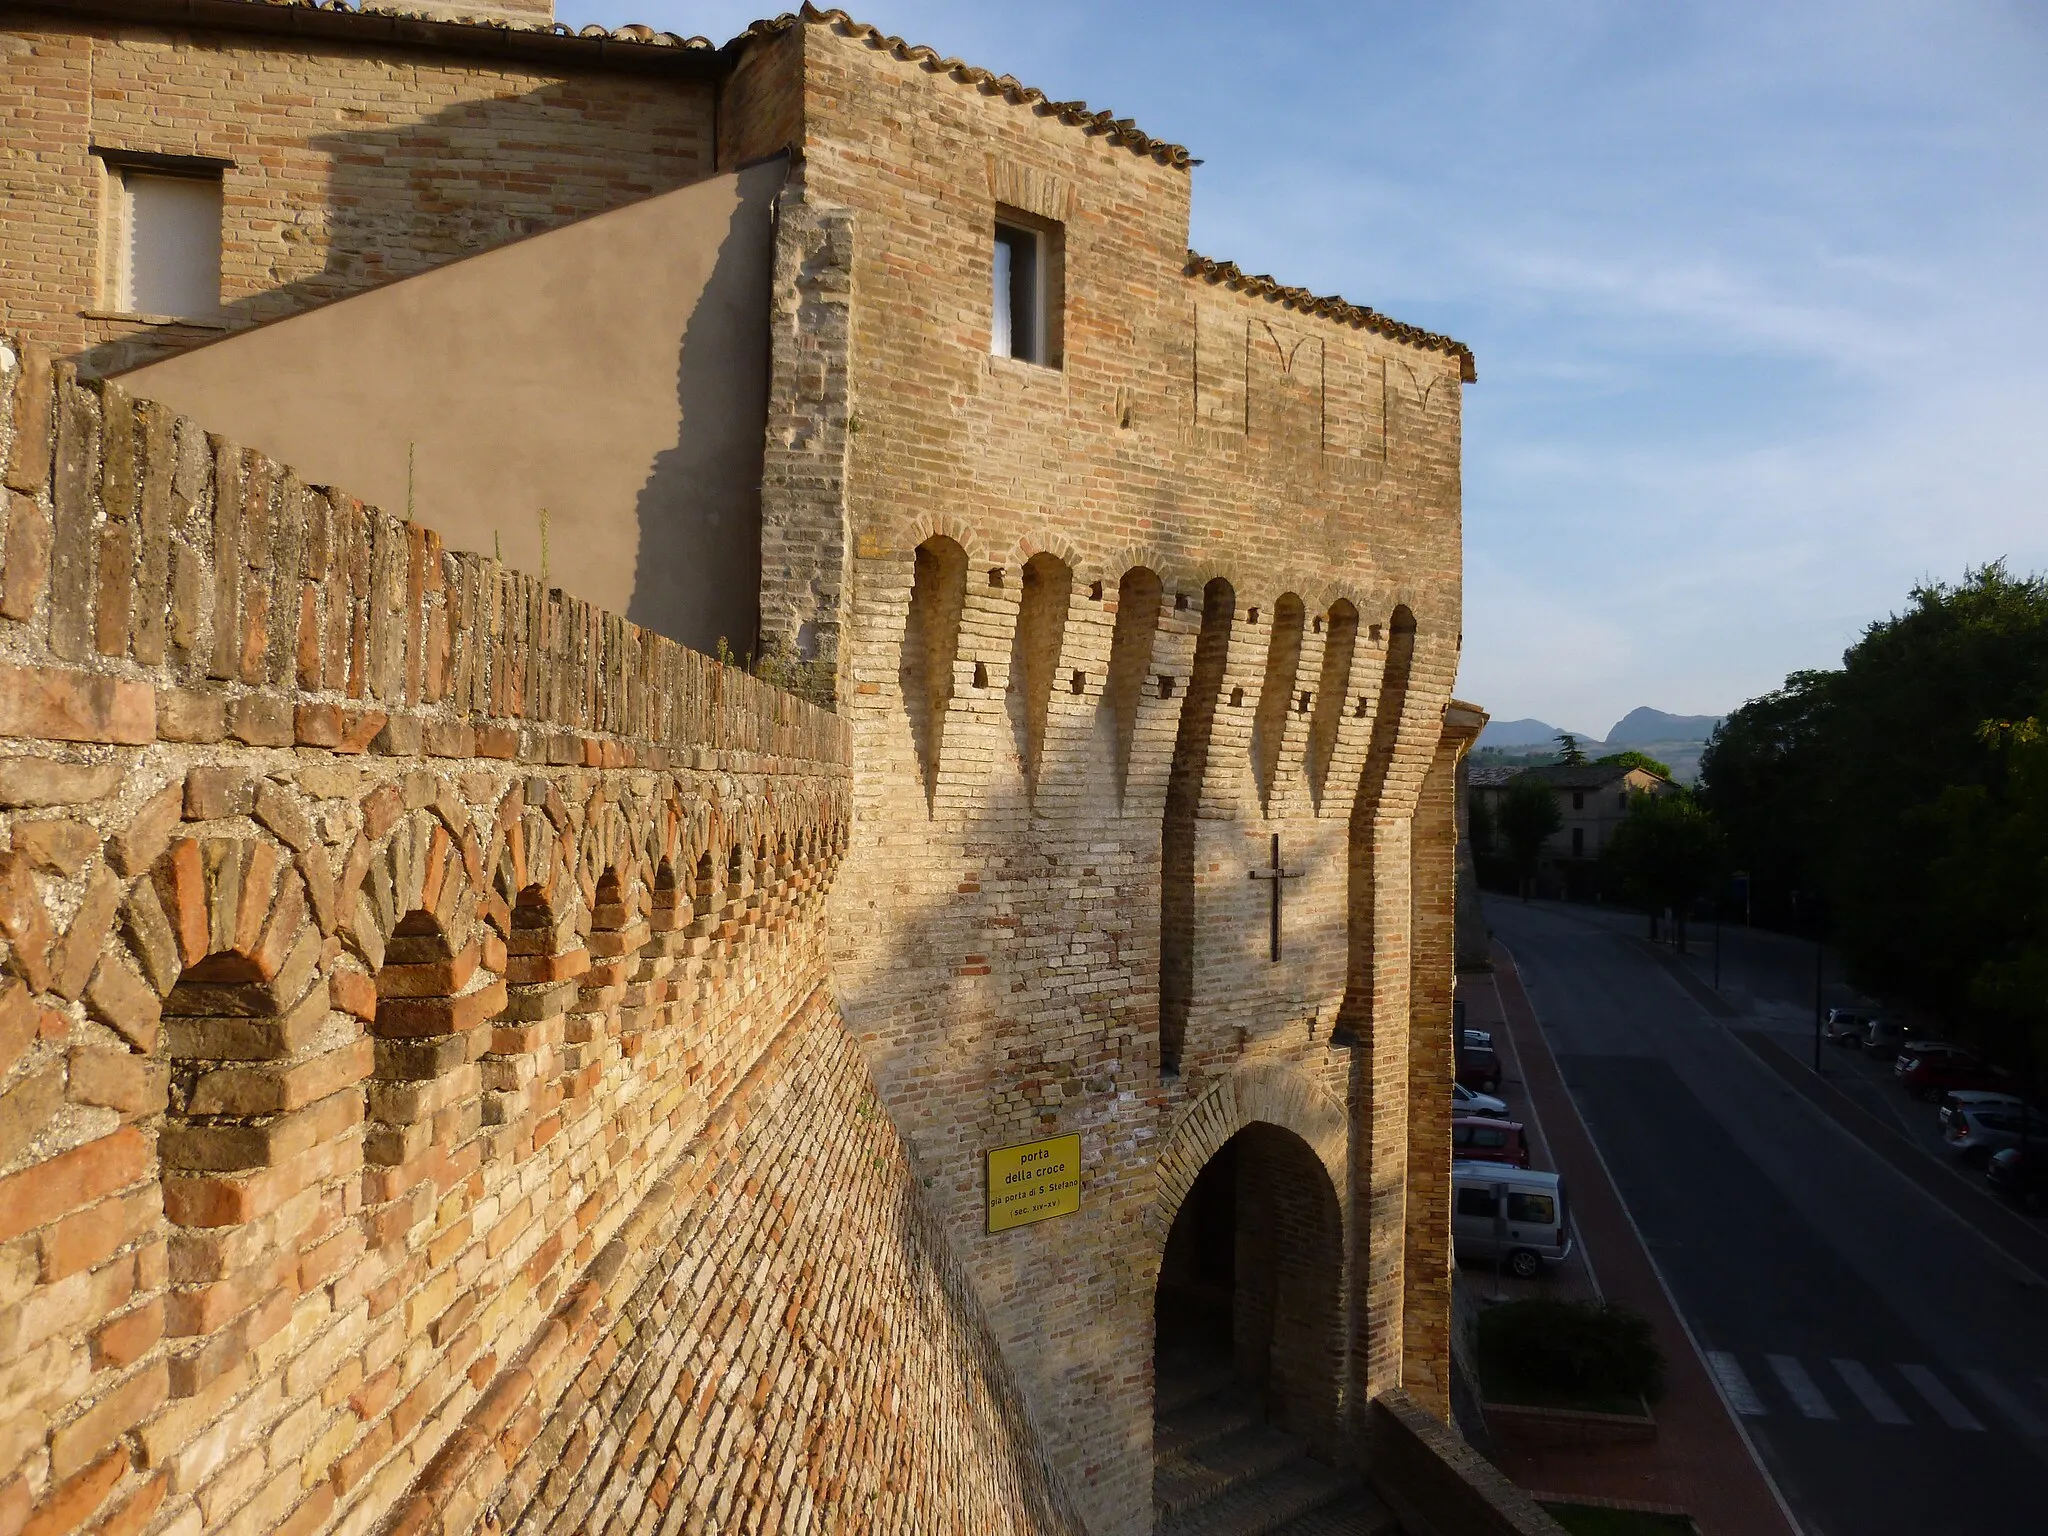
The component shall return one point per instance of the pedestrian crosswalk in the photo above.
(1902, 1393)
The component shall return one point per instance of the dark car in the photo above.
(1477, 1140)
(1882, 1037)
(1478, 1066)
(2021, 1175)
(1928, 1068)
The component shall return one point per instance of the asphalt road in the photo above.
(1889, 1363)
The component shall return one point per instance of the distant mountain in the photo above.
(1672, 739)
(1641, 727)
(1518, 733)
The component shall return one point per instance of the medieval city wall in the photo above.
(998, 924)
(344, 163)
(417, 1061)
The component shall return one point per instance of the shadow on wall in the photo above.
(589, 403)
(467, 179)
(704, 493)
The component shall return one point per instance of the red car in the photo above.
(1475, 1140)
(1928, 1068)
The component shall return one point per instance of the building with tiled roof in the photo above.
(1592, 801)
(935, 1091)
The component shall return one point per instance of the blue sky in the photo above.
(1759, 292)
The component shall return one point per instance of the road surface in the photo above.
(1889, 1362)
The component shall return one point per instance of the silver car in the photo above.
(1464, 1101)
(1975, 1133)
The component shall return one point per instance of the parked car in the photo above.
(1882, 1037)
(1847, 1026)
(1928, 1067)
(1482, 1140)
(1976, 1098)
(1478, 1066)
(2021, 1175)
(1465, 1102)
(1514, 1214)
(1976, 1132)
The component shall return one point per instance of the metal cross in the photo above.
(1276, 874)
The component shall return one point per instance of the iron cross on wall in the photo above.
(1275, 873)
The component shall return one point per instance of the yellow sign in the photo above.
(1033, 1181)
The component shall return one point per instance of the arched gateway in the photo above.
(1249, 1312)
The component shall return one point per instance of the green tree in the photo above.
(1481, 819)
(1569, 750)
(1668, 852)
(1528, 817)
(1766, 778)
(1631, 758)
(1906, 792)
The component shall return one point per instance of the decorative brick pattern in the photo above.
(998, 930)
(421, 1047)
(366, 1048)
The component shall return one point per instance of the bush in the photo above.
(1580, 1348)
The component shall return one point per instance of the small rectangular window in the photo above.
(1578, 842)
(1538, 1210)
(1024, 319)
(1476, 1202)
(165, 229)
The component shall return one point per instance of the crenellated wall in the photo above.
(1108, 627)
(417, 1059)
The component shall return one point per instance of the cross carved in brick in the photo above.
(1276, 873)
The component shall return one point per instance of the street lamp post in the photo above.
(1820, 955)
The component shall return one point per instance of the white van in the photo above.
(1516, 1215)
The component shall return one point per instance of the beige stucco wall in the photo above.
(613, 372)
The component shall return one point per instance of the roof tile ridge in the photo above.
(630, 32)
(1076, 114)
(1331, 307)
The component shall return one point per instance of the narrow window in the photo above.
(1138, 600)
(931, 642)
(1035, 655)
(1269, 722)
(1177, 925)
(1025, 316)
(1362, 897)
(165, 229)
(1578, 842)
(1578, 799)
(1334, 683)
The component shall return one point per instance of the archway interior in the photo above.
(1248, 1301)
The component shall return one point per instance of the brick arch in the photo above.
(1048, 541)
(222, 899)
(420, 865)
(939, 525)
(1255, 1092)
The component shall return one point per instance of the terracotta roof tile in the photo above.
(1077, 114)
(1331, 308)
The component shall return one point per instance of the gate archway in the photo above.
(1249, 1302)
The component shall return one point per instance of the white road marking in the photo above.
(2001, 1397)
(1877, 1402)
(1799, 1386)
(1734, 1385)
(1943, 1401)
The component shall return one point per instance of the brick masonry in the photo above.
(416, 1006)
(345, 163)
(997, 929)
(460, 1070)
